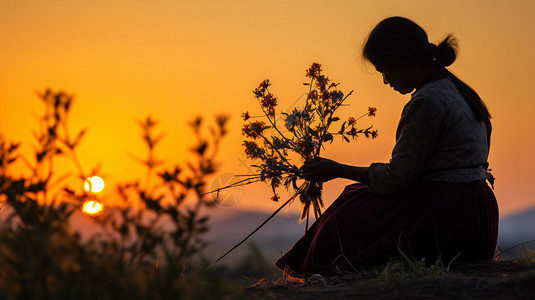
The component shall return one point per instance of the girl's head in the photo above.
(400, 50)
(398, 40)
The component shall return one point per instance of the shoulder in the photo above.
(437, 96)
(438, 88)
(442, 91)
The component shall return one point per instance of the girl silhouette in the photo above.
(431, 200)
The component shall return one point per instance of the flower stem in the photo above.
(254, 231)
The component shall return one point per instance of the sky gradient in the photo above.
(124, 60)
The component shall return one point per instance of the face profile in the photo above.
(398, 78)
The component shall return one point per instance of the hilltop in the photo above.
(482, 280)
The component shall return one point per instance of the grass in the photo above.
(406, 277)
(527, 257)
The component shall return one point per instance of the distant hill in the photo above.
(515, 229)
(277, 236)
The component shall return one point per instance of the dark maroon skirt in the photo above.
(432, 220)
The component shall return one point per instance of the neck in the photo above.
(427, 74)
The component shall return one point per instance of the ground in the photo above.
(481, 280)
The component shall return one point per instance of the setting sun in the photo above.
(94, 184)
(92, 207)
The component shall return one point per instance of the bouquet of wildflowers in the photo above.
(277, 141)
(300, 138)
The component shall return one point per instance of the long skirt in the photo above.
(431, 220)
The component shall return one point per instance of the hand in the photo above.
(321, 170)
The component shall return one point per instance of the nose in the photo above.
(384, 79)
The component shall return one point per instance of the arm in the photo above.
(418, 133)
(327, 169)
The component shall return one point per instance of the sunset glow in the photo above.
(92, 207)
(174, 60)
(94, 184)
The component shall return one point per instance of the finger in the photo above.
(317, 159)
(306, 168)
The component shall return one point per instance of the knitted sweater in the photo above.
(437, 139)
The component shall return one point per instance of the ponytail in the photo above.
(476, 104)
(444, 55)
(446, 52)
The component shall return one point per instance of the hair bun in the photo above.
(446, 52)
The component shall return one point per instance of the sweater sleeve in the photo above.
(416, 138)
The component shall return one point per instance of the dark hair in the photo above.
(398, 40)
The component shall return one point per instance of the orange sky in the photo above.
(176, 59)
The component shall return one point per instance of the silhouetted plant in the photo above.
(39, 249)
(143, 252)
(176, 197)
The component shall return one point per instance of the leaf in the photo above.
(57, 99)
(334, 119)
(37, 187)
(173, 212)
(153, 204)
(40, 155)
(328, 137)
(69, 191)
(201, 148)
(13, 147)
(313, 132)
(52, 131)
(202, 220)
(79, 136)
(343, 128)
(67, 104)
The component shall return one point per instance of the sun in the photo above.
(92, 207)
(94, 184)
